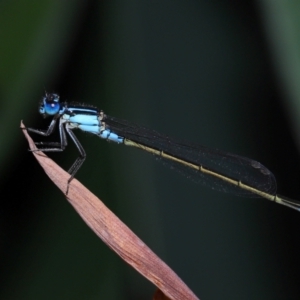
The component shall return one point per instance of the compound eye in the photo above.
(50, 105)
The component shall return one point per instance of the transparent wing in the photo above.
(248, 171)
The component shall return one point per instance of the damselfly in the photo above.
(220, 170)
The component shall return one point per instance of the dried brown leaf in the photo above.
(113, 231)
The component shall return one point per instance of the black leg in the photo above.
(45, 132)
(80, 159)
(60, 146)
(54, 146)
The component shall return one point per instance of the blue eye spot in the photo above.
(51, 108)
(50, 105)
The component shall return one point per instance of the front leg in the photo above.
(45, 132)
(52, 146)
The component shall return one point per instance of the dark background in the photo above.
(224, 74)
